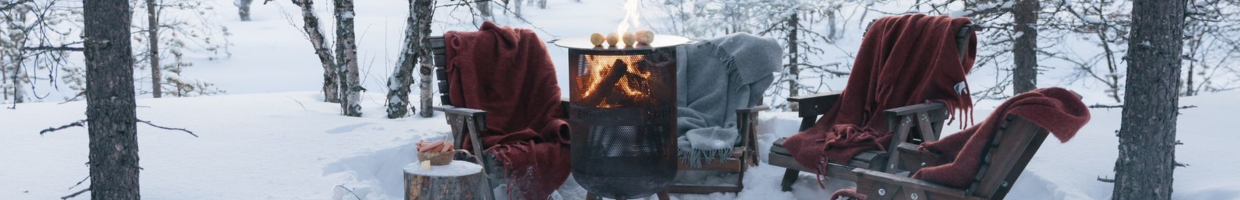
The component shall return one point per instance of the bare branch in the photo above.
(167, 128)
(75, 194)
(1106, 180)
(1106, 106)
(53, 48)
(79, 123)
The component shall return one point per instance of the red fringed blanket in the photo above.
(904, 60)
(508, 73)
(1057, 110)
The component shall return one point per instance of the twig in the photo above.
(79, 123)
(167, 128)
(1106, 180)
(350, 191)
(79, 182)
(1188, 106)
(1106, 106)
(303, 106)
(75, 194)
(52, 48)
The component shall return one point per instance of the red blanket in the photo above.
(508, 73)
(1057, 110)
(904, 60)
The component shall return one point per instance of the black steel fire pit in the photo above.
(623, 115)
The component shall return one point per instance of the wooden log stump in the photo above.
(456, 180)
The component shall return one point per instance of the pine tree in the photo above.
(110, 107)
(1147, 142)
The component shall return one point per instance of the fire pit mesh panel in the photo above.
(622, 114)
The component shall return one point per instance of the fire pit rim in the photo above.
(661, 41)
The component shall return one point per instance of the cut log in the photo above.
(456, 180)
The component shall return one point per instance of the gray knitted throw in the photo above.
(713, 79)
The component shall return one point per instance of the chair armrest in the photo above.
(914, 160)
(871, 176)
(452, 110)
(755, 109)
(911, 109)
(816, 104)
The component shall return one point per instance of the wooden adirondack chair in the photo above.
(743, 156)
(1005, 157)
(467, 122)
(928, 119)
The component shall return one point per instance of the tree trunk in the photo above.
(17, 57)
(427, 95)
(153, 38)
(346, 56)
(243, 9)
(1024, 50)
(793, 59)
(417, 35)
(331, 91)
(456, 180)
(110, 113)
(1147, 142)
(484, 7)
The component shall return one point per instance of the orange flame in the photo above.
(633, 85)
(632, 18)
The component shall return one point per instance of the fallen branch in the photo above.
(167, 128)
(75, 194)
(350, 191)
(79, 123)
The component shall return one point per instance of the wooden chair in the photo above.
(927, 118)
(1005, 157)
(467, 122)
(743, 156)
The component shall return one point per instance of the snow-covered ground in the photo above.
(272, 137)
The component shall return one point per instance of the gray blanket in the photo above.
(713, 79)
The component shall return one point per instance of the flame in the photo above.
(632, 18)
(633, 85)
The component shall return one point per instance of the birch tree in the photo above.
(313, 33)
(415, 49)
(346, 57)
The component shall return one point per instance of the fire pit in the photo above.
(622, 112)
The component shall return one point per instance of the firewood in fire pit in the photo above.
(612, 39)
(629, 39)
(596, 39)
(645, 37)
(604, 88)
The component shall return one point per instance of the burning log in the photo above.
(618, 71)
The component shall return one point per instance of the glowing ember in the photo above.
(631, 82)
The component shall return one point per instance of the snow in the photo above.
(1092, 19)
(272, 137)
(454, 169)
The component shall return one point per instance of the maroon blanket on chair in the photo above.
(508, 73)
(1057, 110)
(904, 60)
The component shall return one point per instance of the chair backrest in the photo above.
(1005, 157)
(438, 54)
